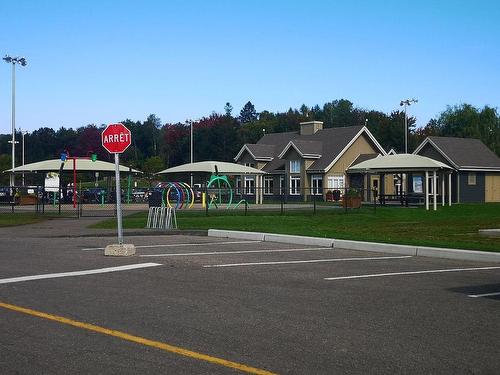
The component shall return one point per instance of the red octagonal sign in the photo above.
(116, 138)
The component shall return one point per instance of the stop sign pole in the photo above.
(116, 138)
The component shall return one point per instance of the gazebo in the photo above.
(410, 164)
(74, 165)
(222, 168)
(81, 165)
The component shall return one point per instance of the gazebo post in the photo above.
(434, 188)
(426, 190)
(442, 189)
(449, 188)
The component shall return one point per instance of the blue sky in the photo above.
(104, 61)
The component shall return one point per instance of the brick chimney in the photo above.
(310, 127)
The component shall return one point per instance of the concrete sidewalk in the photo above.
(71, 227)
(425, 251)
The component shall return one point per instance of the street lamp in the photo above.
(22, 62)
(191, 123)
(407, 103)
(23, 133)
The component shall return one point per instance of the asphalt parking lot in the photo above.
(201, 305)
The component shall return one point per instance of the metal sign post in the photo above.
(115, 139)
(118, 199)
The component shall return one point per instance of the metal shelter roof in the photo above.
(398, 163)
(214, 167)
(82, 165)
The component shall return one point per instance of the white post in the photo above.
(434, 188)
(442, 189)
(118, 199)
(256, 179)
(449, 188)
(426, 190)
(23, 134)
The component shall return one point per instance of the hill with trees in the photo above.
(219, 136)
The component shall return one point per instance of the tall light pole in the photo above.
(23, 134)
(191, 123)
(406, 103)
(22, 62)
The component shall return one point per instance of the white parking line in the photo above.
(411, 273)
(182, 244)
(78, 273)
(237, 252)
(484, 295)
(303, 261)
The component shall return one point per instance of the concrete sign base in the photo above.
(117, 250)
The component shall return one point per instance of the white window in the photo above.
(282, 184)
(237, 184)
(268, 185)
(294, 166)
(471, 178)
(317, 184)
(335, 182)
(250, 165)
(249, 185)
(294, 185)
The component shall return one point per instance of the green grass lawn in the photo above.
(9, 219)
(455, 227)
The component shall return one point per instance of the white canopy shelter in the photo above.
(82, 165)
(222, 168)
(399, 163)
(409, 163)
(217, 167)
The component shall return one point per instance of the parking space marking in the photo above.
(304, 261)
(412, 273)
(78, 273)
(237, 252)
(182, 244)
(138, 340)
(484, 295)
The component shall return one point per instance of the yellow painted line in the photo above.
(139, 340)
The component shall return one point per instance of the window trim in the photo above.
(295, 185)
(268, 187)
(472, 179)
(295, 163)
(315, 190)
(249, 189)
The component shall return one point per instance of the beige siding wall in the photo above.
(492, 188)
(260, 164)
(360, 146)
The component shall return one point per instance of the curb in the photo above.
(423, 251)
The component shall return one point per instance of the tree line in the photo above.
(219, 136)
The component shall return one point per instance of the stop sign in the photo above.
(116, 138)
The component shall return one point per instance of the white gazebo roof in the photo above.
(398, 163)
(82, 165)
(214, 167)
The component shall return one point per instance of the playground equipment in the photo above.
(180, 195)
(180, 192)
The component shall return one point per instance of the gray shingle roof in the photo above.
(326, 142)
(261, 151)
(308, 147)
(334, 141)
(467, 152)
